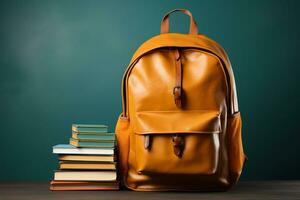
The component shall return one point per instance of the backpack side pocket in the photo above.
(122, 135)
(236, 156)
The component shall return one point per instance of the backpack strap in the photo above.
(164, 28)
(177, 90)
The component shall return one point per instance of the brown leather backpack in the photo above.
(180, 128)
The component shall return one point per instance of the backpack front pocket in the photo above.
(185, 142)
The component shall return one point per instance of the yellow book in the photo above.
(67, 157)
(63, 175)
(86, 165)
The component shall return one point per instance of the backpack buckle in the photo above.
(177, 92)
(178, 145)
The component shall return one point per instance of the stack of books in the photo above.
(88, 162)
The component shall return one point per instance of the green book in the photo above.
(88, 128)
(94, 136)
(91, 143)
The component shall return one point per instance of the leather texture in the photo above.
(180, 128)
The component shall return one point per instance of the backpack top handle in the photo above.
(164, 28)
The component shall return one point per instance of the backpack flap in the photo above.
(182, 142)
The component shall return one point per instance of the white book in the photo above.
(69, 149)
(85, 175)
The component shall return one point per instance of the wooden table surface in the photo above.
(282, 190)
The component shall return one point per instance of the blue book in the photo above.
(89, 128)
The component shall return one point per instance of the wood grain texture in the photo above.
(244, 190)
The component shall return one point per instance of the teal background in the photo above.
(61, 62)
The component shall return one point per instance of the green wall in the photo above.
(61, 62)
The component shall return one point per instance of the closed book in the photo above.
(69, 149)
(91, 143)
(86, 128)
(86, 165)
(63, 175)
(100, 158)
(94, 136)
(83, 185)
